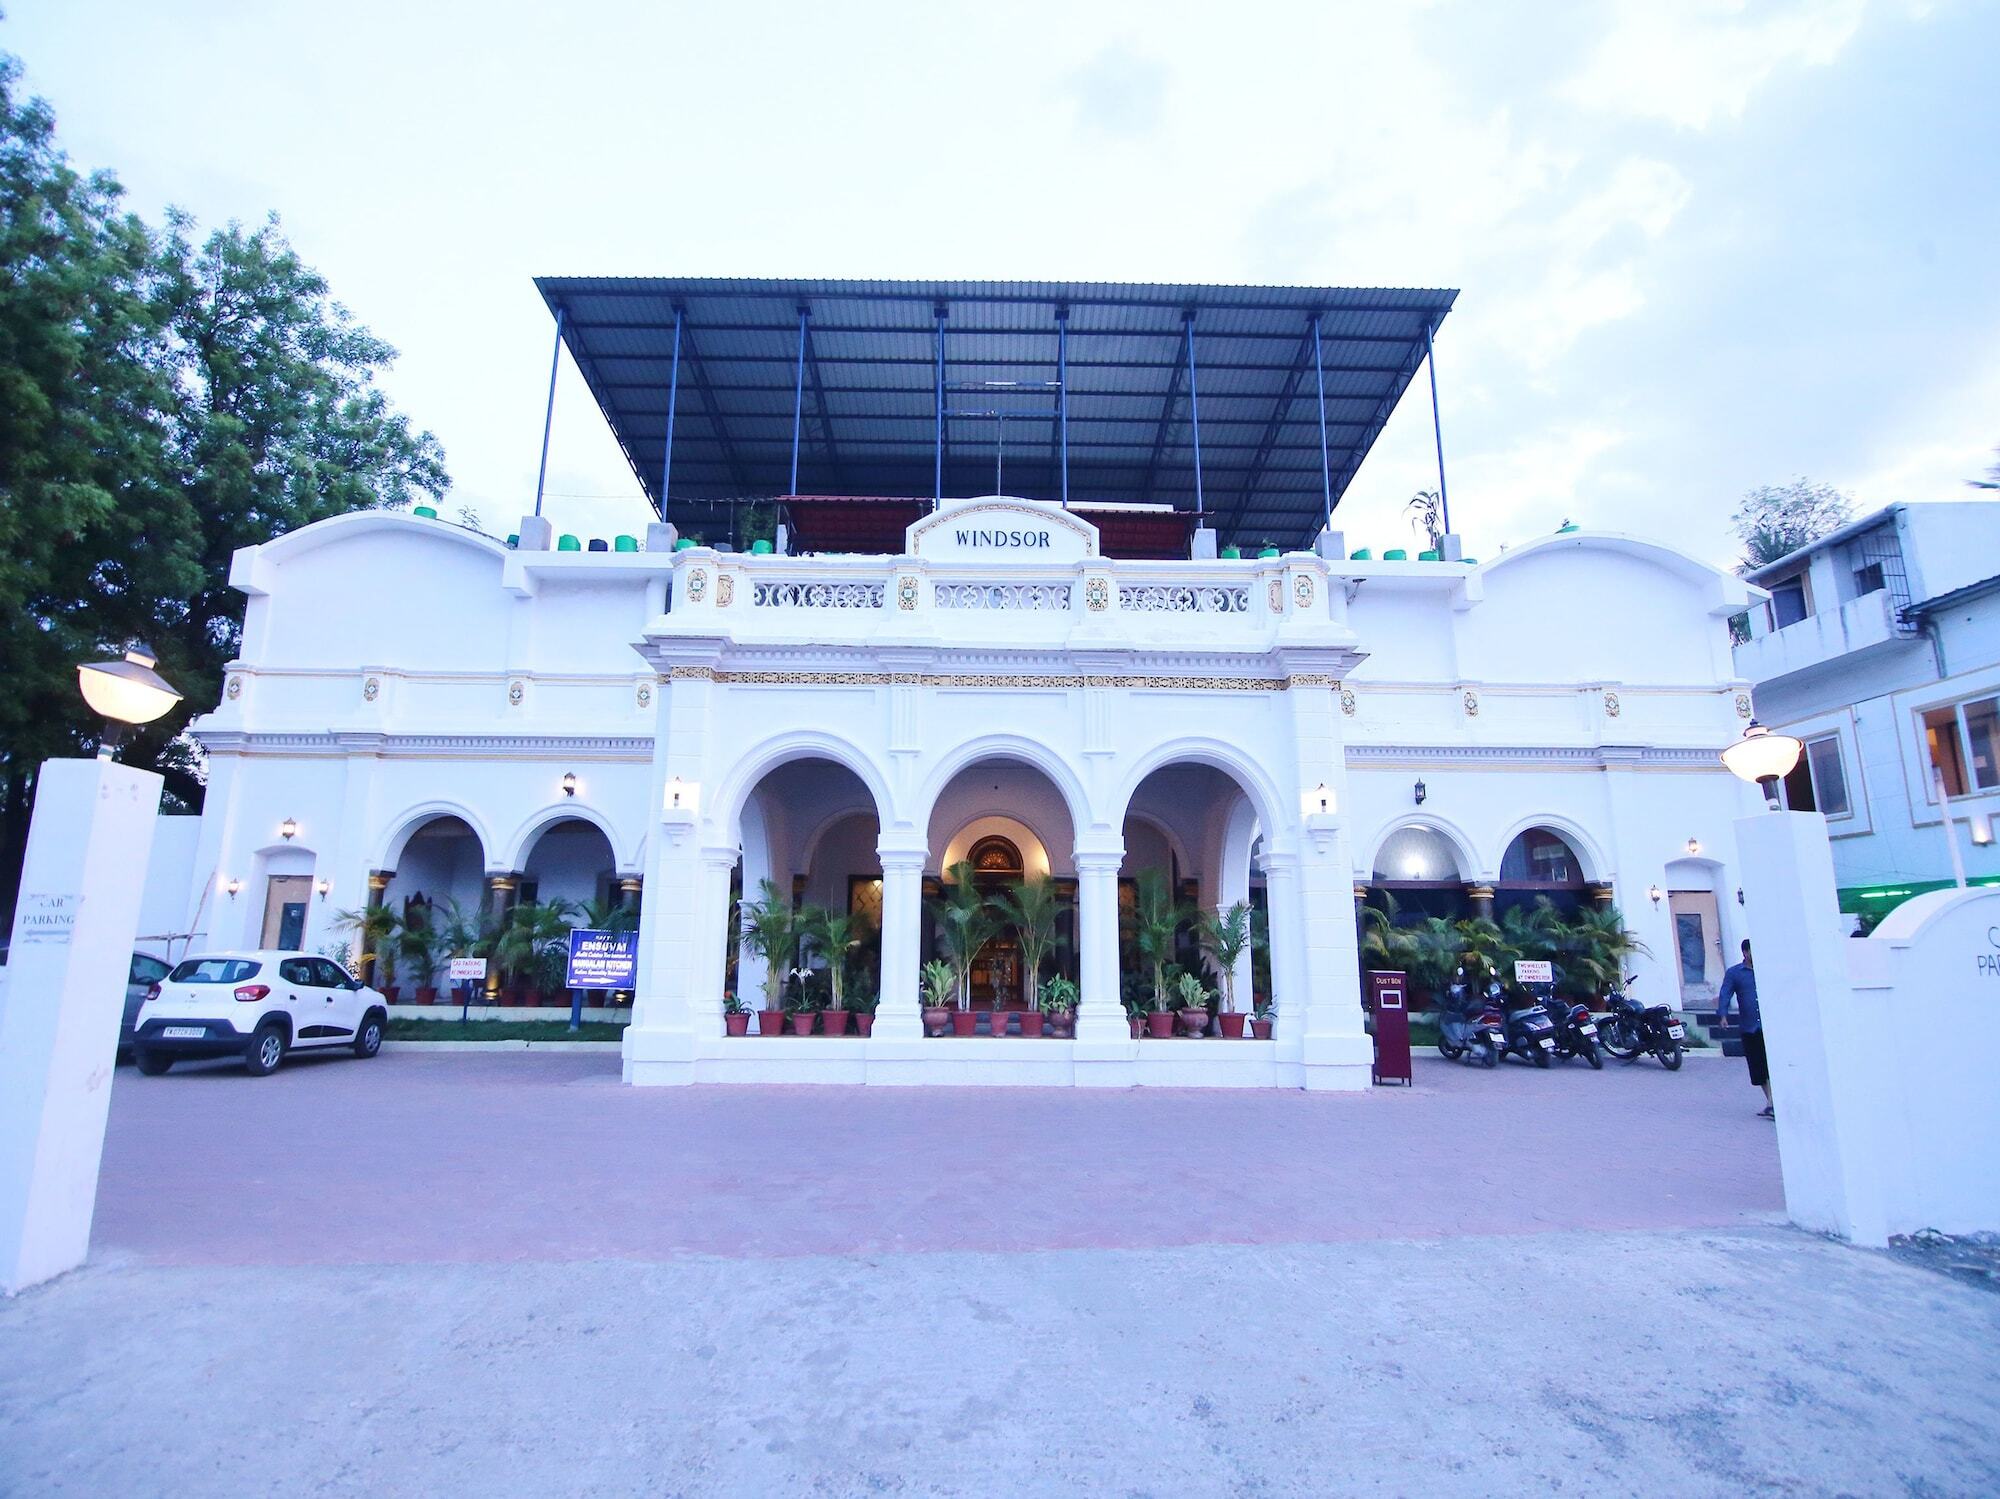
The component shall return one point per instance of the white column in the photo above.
(1288, 985)
(898, 1017)
(74, 926)
(659, 1043)
(1338, 1052)
(1099, 1016)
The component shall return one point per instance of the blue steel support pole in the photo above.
(1194, 412)
(1062, 394)
(798, 400)
(1325, 465)
(937, 313)
(1444, 500)
(549, 414)
(673, 403)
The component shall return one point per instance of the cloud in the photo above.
(1117, 93)
(1693, 64)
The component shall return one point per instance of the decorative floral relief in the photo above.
(234, 689)
(1277, 597)
(516, 691)
(906, 592)
(725, 590)
(697, 585)
(1302, 590)
(1471, 704)
(1742, 705)
(645, 694)
(1612, 707)
(1347, 703)
(370, 690)
(1097, 595)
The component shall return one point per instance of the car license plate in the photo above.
(1588, 1030)
(183, 1032)
(1676, 1032)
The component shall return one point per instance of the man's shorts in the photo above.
(1753, 1053)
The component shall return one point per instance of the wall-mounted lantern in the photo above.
(569, 783)
(1694, 845)
(233, 886)
(288, 829)
(683, 797)
(1420, 792)
(1655, 894)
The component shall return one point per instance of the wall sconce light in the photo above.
(288, 829)
(1694, 845)
(1655, 894)
(1763, 757)
(1981, 825)
(1421, 793)
(1739, 895)
(569, 783)
(1318, 802)
(232, 886)
(683, 796)
(323, 888)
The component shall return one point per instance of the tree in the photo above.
(1776, 520)
(1992, 479)
(965, 923)
(1035, 911)
(163, 402)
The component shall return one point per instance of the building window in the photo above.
(1539, 857)
(1963, 744)
(1868, 579)
(1818, 783)
(1789, 601)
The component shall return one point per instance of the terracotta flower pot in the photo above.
(1261, 1029)
(1194, 1022)
(770, 1022)
(835, 1022)
(737, 1025)
(1232, 1025)
(802, 1023)
(427, 996)
(390, 991)
(996, 1022)
(1063, 1023)
(936, 1019)
(1138, 1026)
(964, 1022)
(1031, 1022)
(864, 1023)
(1159, 1024)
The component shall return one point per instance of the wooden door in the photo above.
(285, 897)
(1697, 923)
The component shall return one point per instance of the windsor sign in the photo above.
(999, 529)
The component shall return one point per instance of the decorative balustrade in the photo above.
(805, 593)
(1178, 598)
(1001, 595)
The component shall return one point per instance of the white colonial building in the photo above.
(421, 712)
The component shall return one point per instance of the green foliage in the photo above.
(833, 935)
(770, 930)
(532, 943)
(1193, 995)
(1427, 517)
(609, 916)
(165, 398)
(1589, 949)
(965, 923)
(1057, 996)
(1155, 924)
(377, 928)
(1225, 937)
(1778, 519)
(1034, 909)
(939, 979)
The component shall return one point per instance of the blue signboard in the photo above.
(603, 960)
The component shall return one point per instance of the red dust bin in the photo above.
(1386, 993)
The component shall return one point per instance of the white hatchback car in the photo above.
(257, 1006)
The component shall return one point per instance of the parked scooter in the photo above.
(1575, 1030)
(1530, 1034)
(1470, 1029)
(1632, 1029)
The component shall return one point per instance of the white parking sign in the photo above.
(1534, 971)
(467, 968)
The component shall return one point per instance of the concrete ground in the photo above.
(511, 1275)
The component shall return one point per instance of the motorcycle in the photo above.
(1469, 1029)
(1575, 1029)
(1632, 1029)
(1529, 1031)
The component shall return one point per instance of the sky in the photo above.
(1700, 246)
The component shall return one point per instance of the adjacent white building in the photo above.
(1879, 646)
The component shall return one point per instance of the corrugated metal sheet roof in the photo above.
(868, 414)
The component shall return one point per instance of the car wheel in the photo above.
(368, 1040)
(151, 1063)
(267, 1050)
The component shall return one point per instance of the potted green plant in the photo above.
(375, 927)
(833, 935)
(1260, 1021)
(735, 1018)
(1058, 1004)
(533, 949)
(1194, 1005)
(1225, 937)
(939, 981)
(1034, 909)
(769, 928)
(966, 923)
(1133, 998)
(802, 1006)
(1156, 924)
(419, 946)
(864, 1006)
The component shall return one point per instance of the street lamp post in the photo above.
(75, 920)
(1763, 758)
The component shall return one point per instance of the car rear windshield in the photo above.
(214, 971)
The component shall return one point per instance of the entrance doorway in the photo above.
(285, 897)
(1697, 925)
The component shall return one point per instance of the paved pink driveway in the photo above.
(546, 1156)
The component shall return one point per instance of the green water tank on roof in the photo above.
(624, 543)
(568, 543)
(1396, 554)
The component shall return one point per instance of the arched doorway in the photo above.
(571, 863)
(1417, 874)
(439, 879)
(1539, 864)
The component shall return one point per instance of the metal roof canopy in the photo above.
(1203, 397)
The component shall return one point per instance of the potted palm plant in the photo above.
(1194, 1005)
(833, 934)
(965, 924)
(939, 981)
(1034, 909)
(735, 1018)
(770, 930)
(418, 946)
(1226, 936)
(375, 927)
(864, 1006)
(1156, 924)
(1058, 1003)
(1260, 1021)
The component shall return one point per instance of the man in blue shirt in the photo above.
(1740, 984)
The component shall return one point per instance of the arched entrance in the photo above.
(1539, 864)
(1417, 874)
